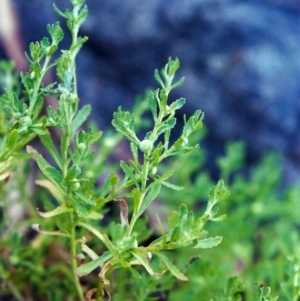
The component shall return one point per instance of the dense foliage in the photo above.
(144, 228)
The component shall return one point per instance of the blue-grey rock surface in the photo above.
(241, 60)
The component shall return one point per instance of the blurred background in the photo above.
(240, 59)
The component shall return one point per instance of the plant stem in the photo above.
(73, 258)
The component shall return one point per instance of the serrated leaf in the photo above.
(123, 122)
(179, 103)
(87, 268)
(167, 126)
(194, 123)
(172, 268)
(217, 193)
(81, 117)
(208, 243)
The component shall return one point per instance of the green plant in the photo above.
(75, 206)
(114, 223)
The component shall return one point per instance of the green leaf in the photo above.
(49, 145)
(95, 215)
(142, 259)
(172, 268)
(153, 104)
(179, 103)
(173, 219)
(151, 195)
(73, 172)
(217, 193)
(80, 208)
(172, 186)
(50, 172)
(85, 269)
(59, 12)
(12, 139)
(123, 122)
(56, 33)
(135, 273)
(136, 194)
(134, 151)
(129, 173)
(108, 185)
(194, 123)
(39, 131)
(55, 191)
(81, 117)
(84, 198)
(166, 175)
(208, 243)
(57, 211)
(166, 126)
(158, 78)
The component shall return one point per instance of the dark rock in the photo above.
(240, 59)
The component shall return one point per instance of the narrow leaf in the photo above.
(208, 243)
(153, 105)
(129, 173)
(50, 172)
(88, 250)
(81, 117)
(58, 195)
(49, 145)
(73, 172)
(179, 103)
(152, 194)
(172, 186)
(12, 138)
(57, 211)
(84, 198)
(172, 268)
(135, 273)
(141, 258)
(85, 269)
(39, 131)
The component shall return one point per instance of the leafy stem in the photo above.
(73, 253)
